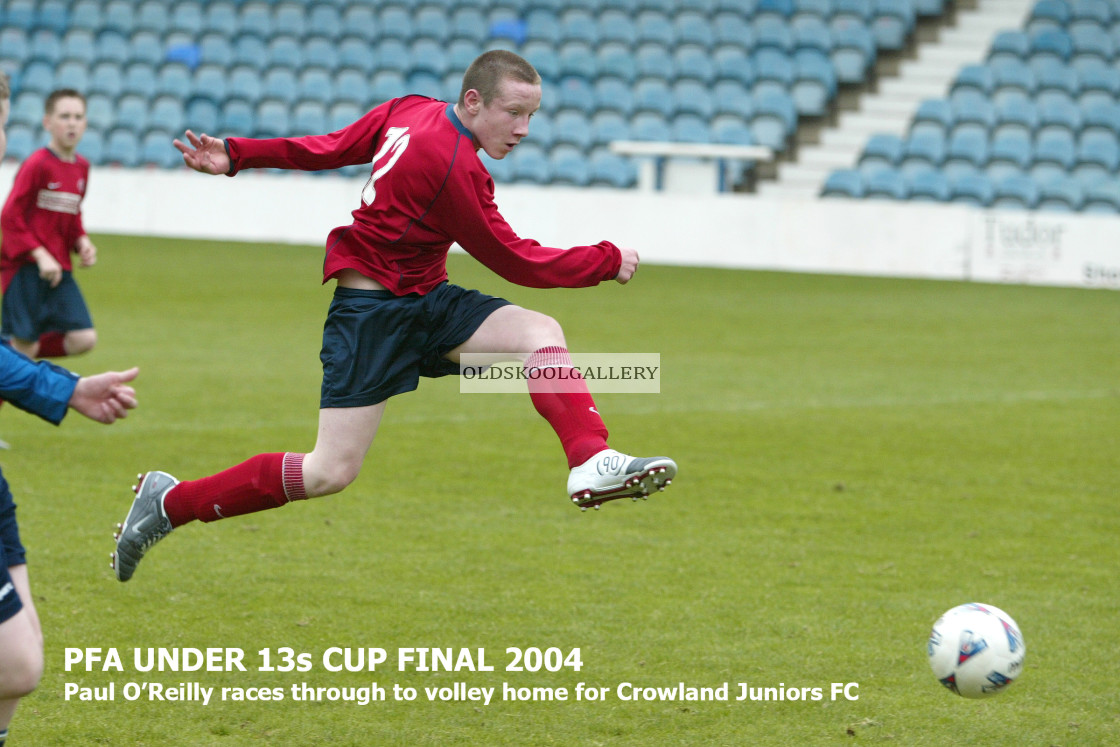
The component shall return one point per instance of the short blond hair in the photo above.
(489, 69)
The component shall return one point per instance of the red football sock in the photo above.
(52, 345)
(263, 482)
(564, 401)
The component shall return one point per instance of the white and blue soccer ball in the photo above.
(976, 650)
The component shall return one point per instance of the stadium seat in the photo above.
(814, 85)
(694, 62)
(343, 113)
(42, 45)
(77, 44)
(237, 118)
(530, 164)
(892, 24)
(1012, 81)
(975, 115)
(1010, 154)
(132, 112)
(122, 147)
(774, 72)
(1016, 115)
(542, 26)
(152, 15)
(610, 169)
(326, 21)
(315, 84)
(693, 27)
(689, 128)
(27, 108)
(1015, 191)
(1009, 46)
(22, 142)
(273, 119)
(780, 10)
(811, 33)
(1054, 77)
(649, 126)
(220, 17)
(1054, 116)
(569, 166)
(92, 147)
(653, 95)
(655, 26)
(772, 33)
(213, 49)
(733, 63)
(106, 78)
(571, 127)
(853, 51)
(1055, 155)
(288, 18)
(882, 151)
(394, 22)
(731, 130)
(322, 51)
(972, 82)
(251, 50)
(773, 120)
(577, 58)
(15, 43)
(1089, 14)
(972, 189)
(203, 115)
(578, 24)
(1098, 86)
(84, 14)
(386, 85)
(1092, 47)
(928, 185)
(1102, 197)
(284, 51)
(654, 60)
(886, 184)
(167, 113)
(255, 17)
(351, 85)
(1054, 45)
(574, 92)
(72, 74)
(932, 115)
(1102, 118)
(966, 152)
(120, 16)
(843, 183)
(607, 126)
(542, 132)
(1063, 195)
(692, 97)
(1048, 15)
(613, 94)
(924, 151)
(733, 29)
(1098, 157)
(156, 150)
(188, 17)
(818, 9)
(361, 21)
(469, 23)
(245, 83)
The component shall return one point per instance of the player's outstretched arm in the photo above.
(204, 153)
(105, 397)
(628, 267)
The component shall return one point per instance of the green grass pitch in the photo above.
(856, 456)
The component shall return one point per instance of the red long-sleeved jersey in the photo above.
(427, 189)
(43, 209)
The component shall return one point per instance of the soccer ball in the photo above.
(976, 650)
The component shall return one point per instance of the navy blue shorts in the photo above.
(12, 550)
(31, 306)
(376, 344)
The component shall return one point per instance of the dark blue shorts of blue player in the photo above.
(12, 552)
(31, 307)
(376, 344)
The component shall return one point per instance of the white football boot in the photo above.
(610, 475)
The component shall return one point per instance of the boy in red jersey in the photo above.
(44, 314)
(394, 317)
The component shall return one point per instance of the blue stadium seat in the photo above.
(255, 17)
(1010, 154)
(892, 24)
(394, 22)
(692, 61)
(245, 83)
(972, 189)
(250, 49)
(22, 142)
(853, 51)
(1102, 197)
(1092, 46)
(354, 52)
(1098, 86)
(1058, 117)
(571, 127)
(811, 33)
(610, 169)
(731, 130)
(209, 81)
(309, 118)
(288, 19)
(692, 97)
(780, 10)
(575, 92)
(733, 63)
(326, 21)
(1048, 15)
(886, 184)
(542, 132)
(934, 115)
(577, 58)
(653, 95)
(613, 94)
(733, 99)
(655, 26)
(814, 85)
(133, 112)
(1103, 118)
(122, 147)
(213, 49)
(530, 164)
(608, 126)
(188, 17)
(469, 23)
(882, 151)
(1098, 157)
(27, 108)
(15, 43)
(1011, 81)
(1055, 155)
(85, 14)
(1088, 14)
(1051, 44)
(774, 71)
(654, 60)
(173, 79)
(273, 119)
(220, 16)
(649, 126)
(79, 44)
(322, 51)
(120, 16)
(1012, 45)
(203, 115)
(1015, 191)
(541, 25)
(689, 128)
(614, 59)
(922, 152)
(106, 78)
(43, 45)
(854, 11)
(617, 25)
(351, 85)
(237, 117)
(1054, 80)
(578, 24)
(966, 152)
(929, 185)
(1016, 115)
(37, 76)
(316, 84)
(140, 79)
(774, 120)
(843, 183)
(360, 21)
(387, 84)
(284, 51)
(72, 74)
(343, 113)
(544, 58)
(693, 27)
(816, 9)
(569, 166)
(152, 15)
(1063, 195)
(733, 29)
(972, 114)
(772, 33)
(92, 147)
(972, 82)
(156, 150)
(432, 23)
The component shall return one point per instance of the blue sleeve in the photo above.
(41, 388)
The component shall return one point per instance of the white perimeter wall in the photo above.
(730, 230)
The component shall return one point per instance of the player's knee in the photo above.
(21, 674)
(542, 331)
(80, 341)
(330, 478)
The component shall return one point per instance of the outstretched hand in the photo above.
(204, 153)
(105, 397)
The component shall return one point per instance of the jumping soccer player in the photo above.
(395, 317)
